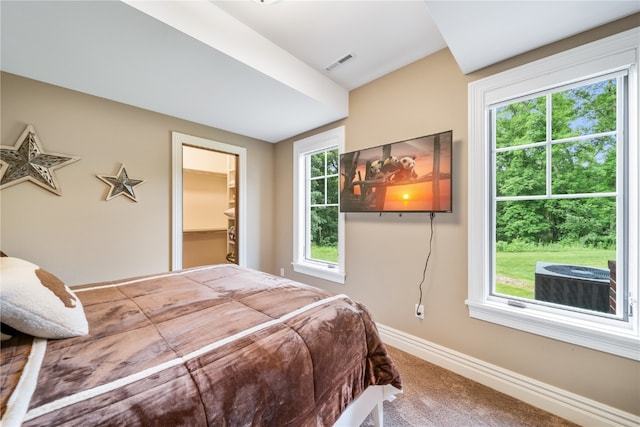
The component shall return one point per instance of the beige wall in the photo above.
(204, 200)
(79, 236)
(204, 248)
(385, 255)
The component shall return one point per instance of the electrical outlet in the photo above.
(282, 271)
(419, 311)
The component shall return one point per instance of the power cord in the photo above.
(424, 272)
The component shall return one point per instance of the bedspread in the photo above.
(213, 346)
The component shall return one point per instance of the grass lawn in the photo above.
(516, 270)
(324, 253)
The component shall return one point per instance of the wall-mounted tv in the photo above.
(405, 176)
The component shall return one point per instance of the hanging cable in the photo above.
(424, 272)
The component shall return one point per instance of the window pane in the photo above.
(587, 166)
(583, 222)
(523, 221)
(332, 162)
(521, 123)
(317, 191)
(521, 172)
(324, 233)
(558, 251)
(333, 189)
(317, 164)
(584, 110)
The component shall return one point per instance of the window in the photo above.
(318, 225)
(553, 197)
(556, 168)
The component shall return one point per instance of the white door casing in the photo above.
(177, 141)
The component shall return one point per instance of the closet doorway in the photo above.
(208, 190)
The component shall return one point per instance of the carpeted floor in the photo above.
(433, 396)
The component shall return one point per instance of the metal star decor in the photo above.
(121, 184)
(27, 161)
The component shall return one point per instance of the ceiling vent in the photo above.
(340, 61)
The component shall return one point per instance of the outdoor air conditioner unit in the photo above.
(573, 285)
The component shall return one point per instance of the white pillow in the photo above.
(36, 302)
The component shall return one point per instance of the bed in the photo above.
(217, 345)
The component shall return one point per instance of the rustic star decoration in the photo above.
(27, 161)
(121, 184)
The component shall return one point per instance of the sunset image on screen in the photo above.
(406, 176)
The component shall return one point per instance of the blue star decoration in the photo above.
(27, 161)
(121, 184)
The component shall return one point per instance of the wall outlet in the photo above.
(282, 271)
(419, 311)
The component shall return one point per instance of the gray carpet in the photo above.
(433, 396)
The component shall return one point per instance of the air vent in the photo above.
(340, 61)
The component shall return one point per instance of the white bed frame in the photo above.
(369, 402)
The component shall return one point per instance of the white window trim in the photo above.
(318, 142)
(609, 54)
(321, 141)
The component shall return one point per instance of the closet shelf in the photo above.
(204, 230)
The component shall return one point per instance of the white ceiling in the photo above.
(259, 69)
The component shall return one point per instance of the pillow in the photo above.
(36, 302)
(7, 332)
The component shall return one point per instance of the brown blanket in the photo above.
(214, 346)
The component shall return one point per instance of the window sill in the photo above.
(621, 342)
(321, 271)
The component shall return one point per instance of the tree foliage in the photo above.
(580, 160)
(324, 197)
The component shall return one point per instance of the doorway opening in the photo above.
(208, 202)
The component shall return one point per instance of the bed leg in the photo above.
(377, 415)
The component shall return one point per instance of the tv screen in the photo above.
(404, 176)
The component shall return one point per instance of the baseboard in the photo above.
(575, 408)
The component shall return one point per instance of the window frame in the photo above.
(550, 194)
(333, 138)
(615, 53)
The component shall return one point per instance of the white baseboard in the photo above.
(575, 408)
